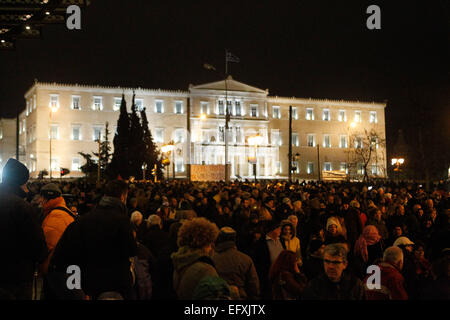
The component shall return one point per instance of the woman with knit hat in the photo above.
(334, 231)
(368, 248)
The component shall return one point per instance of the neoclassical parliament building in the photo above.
(70, 117)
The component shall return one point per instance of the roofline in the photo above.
(325, 101)
(82, 87)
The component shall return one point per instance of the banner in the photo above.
(201, 172)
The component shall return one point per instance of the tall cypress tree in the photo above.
(136, 143)
(120, 159)
(151, 153)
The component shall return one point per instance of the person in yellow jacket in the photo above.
(56, 219)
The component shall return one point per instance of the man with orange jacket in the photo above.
(56, 219)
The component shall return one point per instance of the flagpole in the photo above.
(227, 118)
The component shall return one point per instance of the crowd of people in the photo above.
(270, 240)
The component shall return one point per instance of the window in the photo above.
(117, 103)
(276, 138)
(179, 167)
(75, 164)
(309, 114)
(27, 108)
(327, 166)
(34, 101)
(159, 106)
(357, 116)
(229, 107)
(311, 140)
(159, 135)
(55, 164)
(326, 115)
(238, 135)
(253, 110)
(373, 117)
(220, 108)
(97, 133)
(24, 126)
(360, 168)
(139, 104)
(326, 141)
(238, 110)
(98, 105)
(375, 169)
(310, 168)
(53, 132)
(294, 113)
(221, 133)
(76, 103)
(179, 135)
(279, 167)
(204, 108)
(295, 139)
(178, 107)
(76, 132)
(276, 112)
(343, 167)
(342, 116)
(358, 143)
(343, 142)
(54, 101)
(1, 133)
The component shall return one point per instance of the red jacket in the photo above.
(391, 285)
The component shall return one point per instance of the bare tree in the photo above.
(364, 151)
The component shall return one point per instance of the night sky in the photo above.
(313, 48)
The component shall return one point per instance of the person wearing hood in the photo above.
(22, 240)
(192, 262)
(368, 249)
(101, 243)
(290, 241)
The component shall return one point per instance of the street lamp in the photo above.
(144, 167)
(397, 162)
(255, 141)
(52, 110)
(168, 148)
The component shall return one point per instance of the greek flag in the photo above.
(231, 57)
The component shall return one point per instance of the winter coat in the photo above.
(190, 267)
(101, 243)
(292, 244)
(353, 225)
(54, 225)
(322, 288)
(237, 269)
(144, 265)
(22, 241)
(155, 239)
(313, 267)
(392, 285)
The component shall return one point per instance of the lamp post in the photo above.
(227, 116)
(295, 158)
(397, 162)
(52, 109)
(255, 141)
(144, 167)
(351, 126)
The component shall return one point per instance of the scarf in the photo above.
(369, 236)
